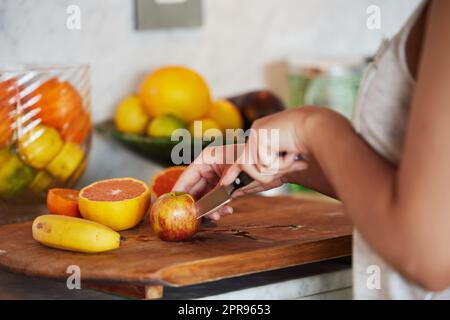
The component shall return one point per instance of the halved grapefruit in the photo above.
(117, 203)
(164, 180)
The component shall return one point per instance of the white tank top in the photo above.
(380, 117)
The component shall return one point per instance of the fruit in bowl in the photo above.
(15, 176)
(8, 103)
(45, 124)
(205, 128)
(226, 115)
(39, 146)
(164, 126)
(176, 97)
(57, 103)
(130, 116)
(173, 217)
(175, 90)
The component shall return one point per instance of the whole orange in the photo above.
(175, 90)
(226, 114)
(58, 103)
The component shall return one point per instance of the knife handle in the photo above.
(242, 180)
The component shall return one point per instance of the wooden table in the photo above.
(264, 233)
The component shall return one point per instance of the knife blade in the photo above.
(220, 195)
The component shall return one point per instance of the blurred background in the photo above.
(238, 46)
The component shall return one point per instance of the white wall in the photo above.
(238, 38)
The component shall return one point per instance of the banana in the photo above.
(74, 234)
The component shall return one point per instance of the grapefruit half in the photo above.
(117, 203)
(164, 180)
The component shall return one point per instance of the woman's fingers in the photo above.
(187, 179)
(230, 174)
(199, 189)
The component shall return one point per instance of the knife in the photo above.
(220, 195)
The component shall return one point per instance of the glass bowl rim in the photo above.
(22, 68)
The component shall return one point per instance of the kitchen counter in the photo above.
(321, 280)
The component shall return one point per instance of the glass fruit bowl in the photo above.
(45, 132)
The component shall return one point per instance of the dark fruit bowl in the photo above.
(156, 149)
(252, 105)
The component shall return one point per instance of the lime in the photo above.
(41, 182)
(163, 126)
(15, 176)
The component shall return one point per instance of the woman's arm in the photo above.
(312, 178)
(403, 213)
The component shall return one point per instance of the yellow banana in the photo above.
(74, 234)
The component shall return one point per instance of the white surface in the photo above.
(293, 289)
(238, 40)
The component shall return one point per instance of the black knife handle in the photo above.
(242, 180)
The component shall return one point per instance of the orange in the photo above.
(199, 129)
(164, 180)
(117, 203)
(63, 202)
(6, 125)
(175, 90)
(8, 103)
(58, 103)
(226, 114)
(77, 130)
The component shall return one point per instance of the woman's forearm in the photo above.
(357, 174)
(312, 178)
(366, 183)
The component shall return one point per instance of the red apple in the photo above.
(173, 216)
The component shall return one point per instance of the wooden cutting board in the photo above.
(264, 233)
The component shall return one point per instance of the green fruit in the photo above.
(41, 182)
(163, 126)
(15, 176)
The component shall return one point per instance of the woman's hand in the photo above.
(210, 167)
(205, 173)
(274, 150)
